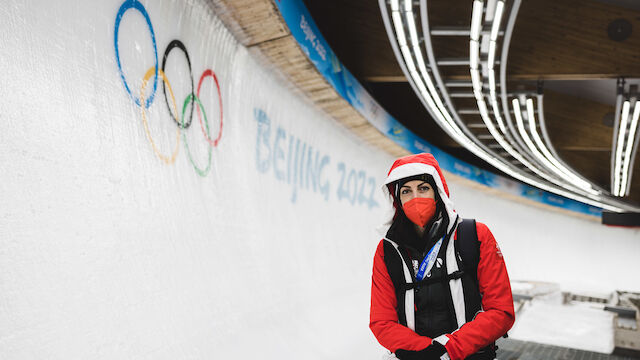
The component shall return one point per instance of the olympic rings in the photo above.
(167, 159)
(206, 73)
(135, 4)
(191, 98)
(173, 44)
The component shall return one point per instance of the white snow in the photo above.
(545, 319)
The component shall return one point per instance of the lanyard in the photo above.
(427, 262)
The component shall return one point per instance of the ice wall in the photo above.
(544, 245)
(134, 226)
(141, 222)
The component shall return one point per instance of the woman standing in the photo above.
(440, 287)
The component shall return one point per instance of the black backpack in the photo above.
(467, 246)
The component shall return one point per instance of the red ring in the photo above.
(206, 73)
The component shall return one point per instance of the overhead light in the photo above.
(413, 64)
(523, 133)
(484, 113)
(491, 58)
(495, 28)
(496, 112)
(492, 83)
(558, 168)
(478, 94)
(476, 83)
(622, 130)
(517, 110)
(432, 97)
(476, 20)
(474, 54)
(411, 24)
(631, 144)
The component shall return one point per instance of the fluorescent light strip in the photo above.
(492, 92)
(518, 114)
(630, 142)
(492, 81)
(491, 58)
(474, 54)
(476, 83)
(495, 28)
(496, 113)
(413, 34)
(431, 97)
(622, 129)
(476, 20)
(439, 110)
(402, 40)
(484, 113)
(472, 146)
(523, 134)
(560, 169)
(494, 101)
(594, 201)
(486, 119)
(482, 106)
(425, 74)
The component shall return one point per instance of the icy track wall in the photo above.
(141, 222)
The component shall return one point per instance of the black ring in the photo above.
(180, 45)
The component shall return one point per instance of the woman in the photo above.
(429, 299)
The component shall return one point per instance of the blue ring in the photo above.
(135, 4)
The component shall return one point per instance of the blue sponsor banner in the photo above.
(313, 44)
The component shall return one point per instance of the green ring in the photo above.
(189, 98)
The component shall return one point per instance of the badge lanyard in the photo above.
(428, 260)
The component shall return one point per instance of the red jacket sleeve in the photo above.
(497, 302)
(383, 316)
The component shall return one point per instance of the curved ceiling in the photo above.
(560, 49)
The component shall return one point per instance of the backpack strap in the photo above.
(400, 272)
(468, 247)
(440, 279)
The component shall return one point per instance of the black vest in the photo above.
(434, 309)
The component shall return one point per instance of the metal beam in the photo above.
(461, 94)
(458, 31)
(453, 62)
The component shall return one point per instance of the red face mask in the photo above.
(420, 210)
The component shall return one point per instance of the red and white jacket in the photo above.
(497, 316)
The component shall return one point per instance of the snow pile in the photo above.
(545, 319)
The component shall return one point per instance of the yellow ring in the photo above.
(151, 72)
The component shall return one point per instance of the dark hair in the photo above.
(394, 191)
